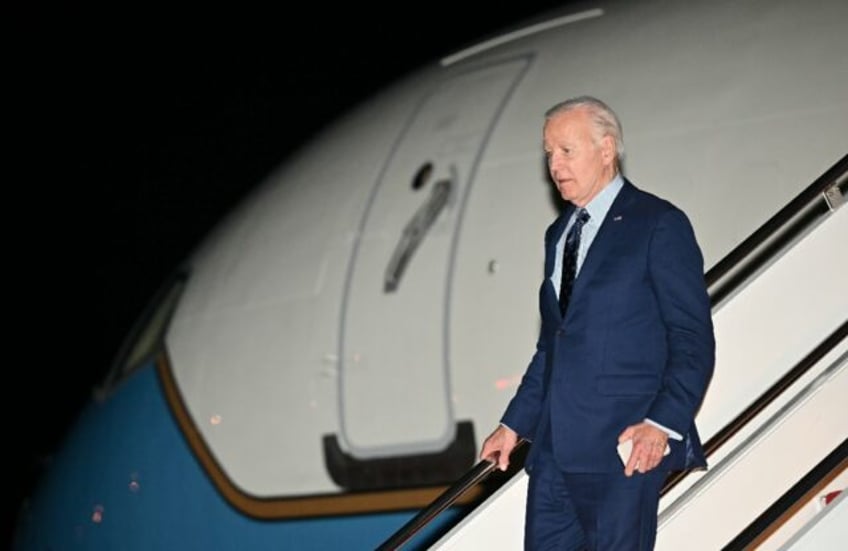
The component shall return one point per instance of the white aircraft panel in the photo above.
(394, 384)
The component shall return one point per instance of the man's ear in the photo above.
(608, 149)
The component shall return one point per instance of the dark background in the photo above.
(133, 132)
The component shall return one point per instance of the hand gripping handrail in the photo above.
(470, 479)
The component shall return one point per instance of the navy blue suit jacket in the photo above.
(636, 342)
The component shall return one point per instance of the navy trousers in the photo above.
(590, 511)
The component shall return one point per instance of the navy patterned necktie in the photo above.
(569, 258)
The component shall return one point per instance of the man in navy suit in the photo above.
(626, 358)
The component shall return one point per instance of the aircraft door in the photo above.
(395, 396)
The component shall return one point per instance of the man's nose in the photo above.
(556, 165)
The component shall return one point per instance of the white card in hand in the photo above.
(626, 448)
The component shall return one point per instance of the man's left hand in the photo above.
(649, 444)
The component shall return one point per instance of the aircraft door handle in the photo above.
(415, 231)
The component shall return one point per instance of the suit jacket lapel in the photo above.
(608, 234)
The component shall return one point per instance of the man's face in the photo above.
(579, 163)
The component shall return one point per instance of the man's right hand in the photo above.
(498, 446)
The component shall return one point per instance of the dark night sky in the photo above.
(134, 132)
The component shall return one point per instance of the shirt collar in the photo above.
(601, 203)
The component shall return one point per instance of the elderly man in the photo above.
(624, 355)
